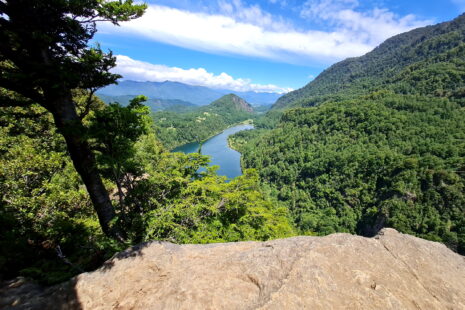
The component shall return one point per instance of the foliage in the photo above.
(45, 57)
(45, 209)
(207, 209)
(358, 165)
(175, 129)
(43, 203)
(114, 131)
(382, 145)
(427, 61)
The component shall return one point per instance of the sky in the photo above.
(263, 45)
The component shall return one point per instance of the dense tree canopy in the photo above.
(175, 129)
(382, 146)
(437, 51)
(357, 166)
(44, 205)
(44, 56)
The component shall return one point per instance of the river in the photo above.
(218, 149)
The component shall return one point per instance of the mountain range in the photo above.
(168, 90)
(155, 105)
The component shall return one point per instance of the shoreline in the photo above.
(246, 122)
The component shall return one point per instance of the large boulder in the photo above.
(340, 271)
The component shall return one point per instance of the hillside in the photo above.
(176, 129)
(427, 61)
(376, 141)
(375, 146)
(197, 95)
(232, 103)
(391, 271)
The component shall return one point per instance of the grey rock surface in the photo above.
(340, 271)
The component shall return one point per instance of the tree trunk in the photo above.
(70, 126)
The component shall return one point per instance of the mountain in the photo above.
(391, 271)
(375, 141)
(232, 102)
(155, 105)
(427, 61)
(196, 125)
(258, 99)
(198, 95)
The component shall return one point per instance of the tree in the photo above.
(44, 56)
(115, 131)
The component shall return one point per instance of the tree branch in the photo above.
(87, 104)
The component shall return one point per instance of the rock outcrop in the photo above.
(340, 271)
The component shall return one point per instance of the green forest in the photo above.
(375, 141)
(359, 165)
(80, 179)
(156, 194)
(178, 128)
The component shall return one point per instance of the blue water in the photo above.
(221, 154)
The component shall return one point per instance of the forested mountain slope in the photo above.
(429, 60)
(231, 103)
(175, 129)
(384, 145)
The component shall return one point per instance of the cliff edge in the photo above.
(340, 271)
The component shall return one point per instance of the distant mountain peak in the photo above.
(198, 95)
(234, 101)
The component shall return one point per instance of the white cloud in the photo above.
(249, 31)
(372, 26)
(253, 14)
(143, 71)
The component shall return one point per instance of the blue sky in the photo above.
(266, 45)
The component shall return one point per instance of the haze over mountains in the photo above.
(153, 103)
(168, 90)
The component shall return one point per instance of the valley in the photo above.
(374, 141)
(222, 155)
(100, 170)
(197, 125)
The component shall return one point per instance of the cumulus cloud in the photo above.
(252, 14)
(247, 30)
(143, 71)
(370, 26)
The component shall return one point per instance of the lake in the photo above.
(221, 154)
